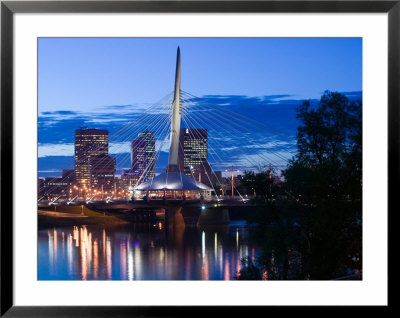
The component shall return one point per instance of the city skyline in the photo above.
(253, 168)
(270, 104)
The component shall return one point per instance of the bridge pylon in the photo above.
(174, 218)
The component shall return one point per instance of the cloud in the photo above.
(119, 148)
(68, 149)
(118, 107)
(356, 95)
(49, 171)
(117, 119)
(50, 150)
(243, 130)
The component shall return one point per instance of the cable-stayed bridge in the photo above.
(233, 140)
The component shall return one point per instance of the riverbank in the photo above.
(76, 215)
(51, 216)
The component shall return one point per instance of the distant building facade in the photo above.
(52, 188)
(102, 172)
(143, 155)
(193, 154)
(88, 142)
(40, 187)
(69, 174)
(129, 178)
(217, 179)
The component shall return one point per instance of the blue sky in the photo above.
(109, 82)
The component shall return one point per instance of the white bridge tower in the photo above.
(176, 118)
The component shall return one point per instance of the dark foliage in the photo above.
(248, 271)
(309, 226)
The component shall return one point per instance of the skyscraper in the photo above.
(88, 142)
(102, 171)
(143, 155)
(193, 153)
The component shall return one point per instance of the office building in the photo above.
(143, 155)
(129, 178)
(52, 188)
(102, 171)
(69, 174)
(88, 142)
(193, 153)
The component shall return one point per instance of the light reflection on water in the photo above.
(143, 252)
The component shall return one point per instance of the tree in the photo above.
(272, 226)
(262, 185)
(248, 271)
(326, 174)
(329, 144)
(314, 232)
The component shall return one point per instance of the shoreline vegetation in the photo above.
(310, 225)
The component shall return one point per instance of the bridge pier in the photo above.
(174, 218)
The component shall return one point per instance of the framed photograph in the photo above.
(163, 155)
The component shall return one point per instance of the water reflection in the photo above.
(95, 259)
(143, 252)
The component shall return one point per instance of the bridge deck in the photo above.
(230, 201)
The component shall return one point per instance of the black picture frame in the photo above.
(8, 8)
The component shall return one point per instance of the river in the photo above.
(143, 251)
